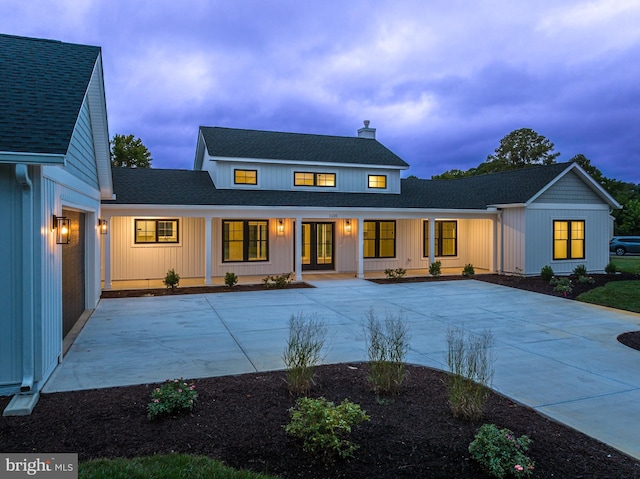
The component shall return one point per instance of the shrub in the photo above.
(586, 280)
(501, 453)
(611, 268)
(580, 270)
(280, 281)
(468, 271)
(230, 279)
(395, 274)
(546, 273)
(324, 427)
(174, 396)
(172, 279)
(302, 354)
(470, 362)
(434, 269)
(561, 285)
(387, 348)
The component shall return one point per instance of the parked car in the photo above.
(621, 245)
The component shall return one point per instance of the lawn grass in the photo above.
(628, 264)
(616, 294)
(169, 466)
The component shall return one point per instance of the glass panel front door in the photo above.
(317, 246)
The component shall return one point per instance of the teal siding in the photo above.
(81, 157)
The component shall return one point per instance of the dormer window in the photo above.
(305, 178)
(378, 181)
(245, 177)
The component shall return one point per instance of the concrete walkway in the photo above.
(558, 356)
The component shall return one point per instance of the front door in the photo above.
(317, 246)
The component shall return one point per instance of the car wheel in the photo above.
(620, 251)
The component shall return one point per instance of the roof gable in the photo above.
(298, 147)
(42, 87)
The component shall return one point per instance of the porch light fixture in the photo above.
(280, 227)
(347, 227)
(62, 228)
(103, 226)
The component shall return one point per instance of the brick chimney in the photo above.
(367, 132)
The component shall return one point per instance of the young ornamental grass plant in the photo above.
(307, 337)
(324, 427)
(501, 453)
(470, 362)
(387, 348)
(173, 397)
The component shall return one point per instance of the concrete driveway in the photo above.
(558, 356)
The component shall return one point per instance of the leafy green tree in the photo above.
(129, 152)
(519, 149)
(628, 219)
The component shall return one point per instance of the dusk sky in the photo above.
(442, 81)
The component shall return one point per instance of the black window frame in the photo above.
(246, 240)
(438, 239)
(569, 240)
(369, 177)
(315, 174)
(235, 179)
(157, 229)
(378, 239)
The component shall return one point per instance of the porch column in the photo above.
(106, 243)
(207, 250)
(298, 248)
(432, 240)
(360, 249)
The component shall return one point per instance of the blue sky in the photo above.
(442, 81)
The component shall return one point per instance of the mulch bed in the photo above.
(135, 293)
(239, 420)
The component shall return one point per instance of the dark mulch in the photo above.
(134, 293)
(239, 420)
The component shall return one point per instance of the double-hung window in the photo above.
(568, 239)
(156, 231)
(379, 239)
(446, 240)
(307, 178)
(245, 240)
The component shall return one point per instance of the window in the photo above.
(245, 240)
(568, 239)
(245, 177)
(446, 240)
(379, 239)
(303, 178)
(156, 231)
(378, 181)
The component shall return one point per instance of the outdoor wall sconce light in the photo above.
(347, 227)
(103, 226)
(62, 228)
(280, 227)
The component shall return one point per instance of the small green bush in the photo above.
(395, 274)
(468, 271)
(387, 348)
(580, 270)
(561, 285)
(280, 281)
(501, 453)
(324, 427)
(470, 362)
(546, 273)
(230, 279)
(586, 280)
(611, 268)
(173, 397)
(303, 352)
(172, 279)
(434, 269)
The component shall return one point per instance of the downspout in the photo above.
(28, 353)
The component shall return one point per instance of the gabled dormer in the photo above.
(269, 160)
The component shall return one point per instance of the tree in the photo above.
(519, 149)
(129, 152)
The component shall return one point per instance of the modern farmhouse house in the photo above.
(54, 170)
(264, 203)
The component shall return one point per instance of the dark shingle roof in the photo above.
(42, 85)
(184, 187)
(238, 143)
